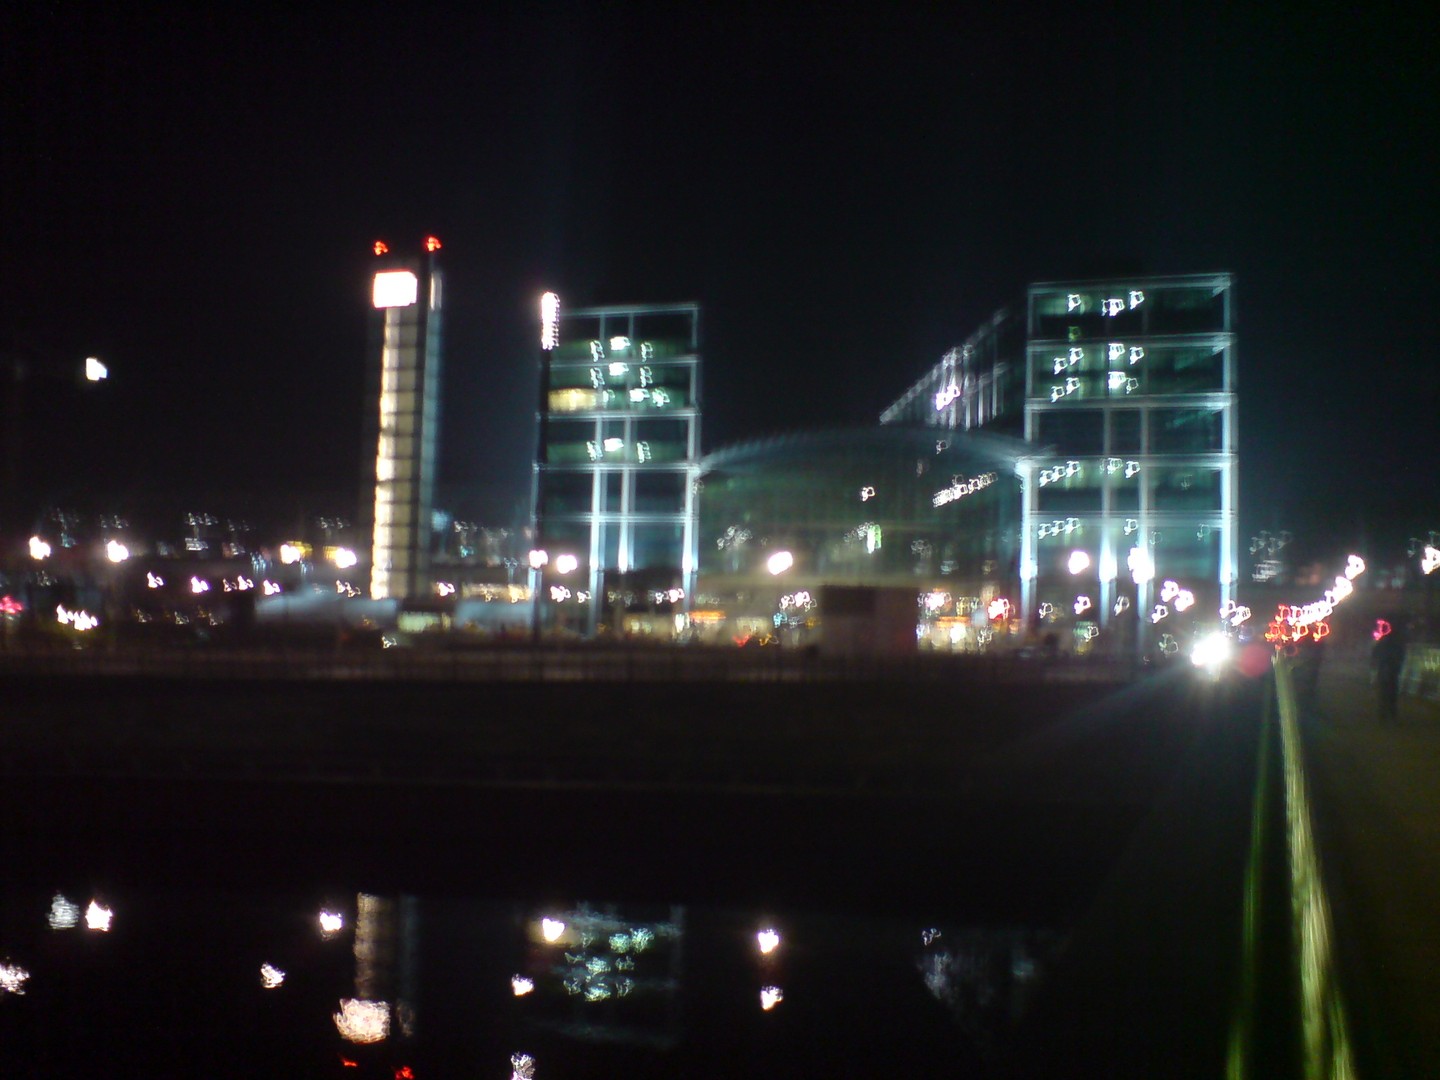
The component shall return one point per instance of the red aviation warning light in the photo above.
(432, 243)
(381, 247)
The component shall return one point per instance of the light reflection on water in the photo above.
(397, 985)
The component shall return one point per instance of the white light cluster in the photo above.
(39, 549)
(520, 985)
(999, 608)
(1115, 464)
(867, 493)
(1060, 472)
(80, 620)
(1082, 605)
(271, 977)
(116, 552)
(1115, 305)
(522, 1067)
(961, 487)
(1233, 613)
(12, 979)
(1062, 364)
(1120, 382)
(947, 396)
(363, 1022)
(1070, 386)
(1140, 565)
(63, 915)
(1059, 527)
(549, 321)
(770, 996)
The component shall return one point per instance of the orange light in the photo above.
(432, 243)
(349, 1064)
(381, 247)
(404, 1073)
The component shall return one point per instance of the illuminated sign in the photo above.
(395, 288)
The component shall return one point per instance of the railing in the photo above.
(552, 664)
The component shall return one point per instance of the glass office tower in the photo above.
(618, 459)
(402, 428)
(1130, 400)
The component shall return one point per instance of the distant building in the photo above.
(1126, 391)
(615, 473)
(403, 421)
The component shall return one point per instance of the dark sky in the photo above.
(193, 197)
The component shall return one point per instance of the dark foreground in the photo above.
(1116, 819)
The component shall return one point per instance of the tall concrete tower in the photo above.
(403, 418)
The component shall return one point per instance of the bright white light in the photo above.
(95, 371)
(549, 321)
(1112, 306)
(1160, 612)
(522, 1067)
(63, 914)
(559, 593)
(638, 395)
(1122, 605)
(618, 343)
(97, 917)
(1184, 600)
(1169, 590)
(154, 581)
(768, 940)
(363, 1021)
(566, 564)
(947, 396)
(1108, 566)
(779, 562)
(1079, 562)
(867, 493)
(1073, 301)
(270, 588)
(618, 368)
(198, 586)
(344, 558)
(1136, 298)
(999, 608)
(1137, 353)
(1354, 567)
(1082, 605)
(1141, 566)
(770, 996)
(395, 288)
(80, 620)
(290, 553)
(12, 979)
(612, 444)
(116, 552)
(551, 929)
(1047, 610)
(520, 985)
(444, 588)
(1211, 651)
(961, 487)
(331, 923)
(934, 601)
(538, 559)
(271, 976)
(39, 549)
(1430, 560)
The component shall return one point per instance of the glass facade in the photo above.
(619, 454)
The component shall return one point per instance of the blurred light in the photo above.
(1122, 605)
(522, 1067)
(95, 371)
(549, 321)
(97, 917)
(1079, 562)
(961, 487)
(331, 923)
(80, 620)
(291, 553)
(270, 588)
(946, 396)
(616, 344)
(395, 288)
(1082, 605)
(1382, 629)
(381, 248)
(12, 979)
(198, 586)
(780, 562)
(551, 930)
(559, 593)
(770, 996)
(520, 986)
(867, 493)
(432, 244)
(63, 914)
(271, 976)
(1159, 612)
(39, 549)
(1184, 600)
(1354, 567)
(1212, 650)
(116, 552)
(10, 606)
(153, 581)
(768, 940)
(344, 558)
(1047, 611)
(1430, 560)
(444, 588)
(538, 559)
(363, 1021)
(566, 564)
(999, 608)
(612, 444)
(1141, 566)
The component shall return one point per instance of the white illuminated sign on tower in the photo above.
(395, 288)
(549, 321)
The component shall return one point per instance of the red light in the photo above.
(404, 1073)
(10, 606)
(381, 247)
(432, 243)
(349, 1064)
(1382, 628)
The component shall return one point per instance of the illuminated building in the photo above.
(1125, 390)
(401, 430)
(617, 462)
(885, 507)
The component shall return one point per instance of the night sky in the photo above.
(193, 198)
